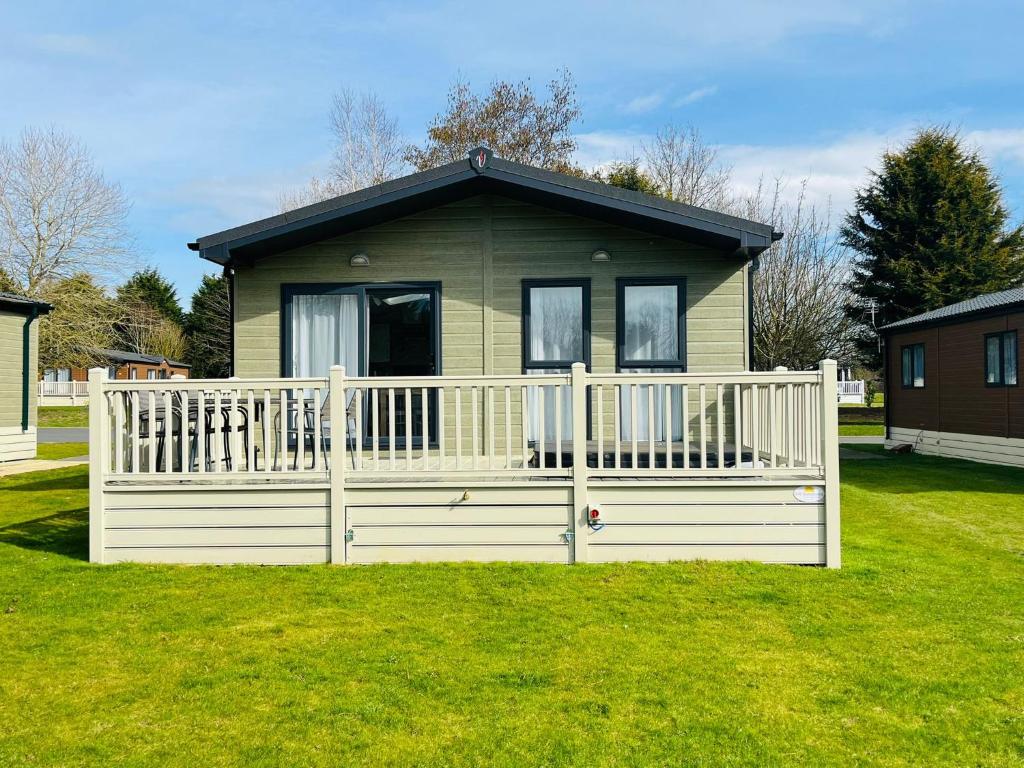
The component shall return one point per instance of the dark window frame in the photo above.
(913, 368)
(620, 322)
(567, 282)
(290, 290)
(360, 289)
(1001, 336)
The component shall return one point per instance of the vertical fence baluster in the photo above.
(508, 427)
(425, 427)
(541, 418)
(702, 394)
(755, 435)
(268, 447)
(634, 395)
(317, 429)
(282, 436)
(489, 400)
(790, 427)
(168, 456)
(300, 430)
(773, 418)
(559, 389)
(440, 416)
(151, 432)
(135, 430)
(617, 408)
(684, 402)
(183, 430)
(475, 420)
(599, 403)
(668, 426)
(524, 422)
(651, 431)
(119, 424)
(458, 427)
(392, 437)
(375, 425)
(719, 426)
(357, 438)
(409, 419)
(737, 429)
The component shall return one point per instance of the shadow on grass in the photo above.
(906, 474)
(64, 533)
(77, 481)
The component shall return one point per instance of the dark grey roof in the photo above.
(23, 304)
(979, 304)
(120, 356)
(464, 178)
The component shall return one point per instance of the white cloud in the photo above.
(696, 95)
(597, 149)
(999, 143)
(642, 104)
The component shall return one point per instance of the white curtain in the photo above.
(556, 335)
(651, 324)
(325, 332)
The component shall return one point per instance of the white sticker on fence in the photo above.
(810, 494)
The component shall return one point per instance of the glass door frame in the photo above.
(431, 287)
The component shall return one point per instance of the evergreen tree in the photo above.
(629, 175)
(151, 289)
(930, 229)
(208, 327)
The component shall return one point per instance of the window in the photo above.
(57, 374)
(111, 371)
(151, 374)
(1001, 359)
(913, 366)
(651, 338)
(556, 334)
(133, 373)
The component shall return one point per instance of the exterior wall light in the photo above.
(600, 256)
(359, 260)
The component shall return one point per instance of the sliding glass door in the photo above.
(371, 329)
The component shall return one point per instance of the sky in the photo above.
(205, 113)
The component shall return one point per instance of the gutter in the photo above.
(27, 379)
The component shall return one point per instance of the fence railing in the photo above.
(63, 388)
(850, 391)
(610, 425)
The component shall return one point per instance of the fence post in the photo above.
(336, 470)
(830, 458)
(580, 502)
(99, 459)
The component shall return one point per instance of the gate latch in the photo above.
(349, 535)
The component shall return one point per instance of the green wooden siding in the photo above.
(480, 250)
(12, 328)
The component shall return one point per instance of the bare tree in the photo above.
(801, 288)
(368, 150)
(83, 320)
(686, 169)
(142, 328)
(369, 145)
(58, 215)
(511, 120)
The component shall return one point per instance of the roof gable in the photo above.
(466, 178)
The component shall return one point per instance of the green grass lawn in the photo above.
(61, 450)
(861, 420)
(876, 430)
(64, 416)
(910, 655)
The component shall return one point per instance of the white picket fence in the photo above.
(63, 392)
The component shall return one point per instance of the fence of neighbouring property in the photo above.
(63, 392)
(364, 438)
(850, 391)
